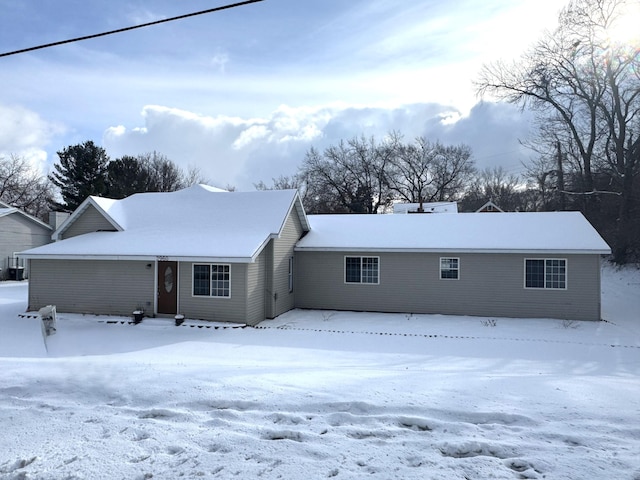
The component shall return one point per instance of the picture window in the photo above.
(212, 280)
(545, 273)
(362, 270)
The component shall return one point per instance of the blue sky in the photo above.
(244, 93)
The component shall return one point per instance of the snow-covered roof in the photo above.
(539, 232)
(427, 207)
(7, 211)
(195, 223)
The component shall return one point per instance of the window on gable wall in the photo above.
(361, 270)
(545, 273)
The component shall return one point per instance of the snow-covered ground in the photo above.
(324, 395)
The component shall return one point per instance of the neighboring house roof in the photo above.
(427, 207)
(489, 207)
(4, 211)
(198, 222)
(539, 232)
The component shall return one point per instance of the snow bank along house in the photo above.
(248, 256)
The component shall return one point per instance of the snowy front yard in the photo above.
(324, 395)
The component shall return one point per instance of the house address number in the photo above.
(162, 259)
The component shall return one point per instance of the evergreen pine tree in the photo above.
(126, 176)
(80, 173)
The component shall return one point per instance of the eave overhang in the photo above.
(456, 250)
(143, 258)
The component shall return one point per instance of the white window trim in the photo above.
(193, 295)
(545, 288)
(344, 270)
(440, 268)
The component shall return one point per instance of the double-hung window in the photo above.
(545, 273)
(449, 268)
(362, 270)
(212, 280)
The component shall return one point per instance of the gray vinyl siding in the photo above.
(259, 290)
(233, 309)
(18, 233)
(92, 286)
(256, 290)
(488, 285)
(282, 251)
(91, 220)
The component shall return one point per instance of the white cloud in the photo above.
(250, 135)
(25, 134)
(240, 152)
(219, 61)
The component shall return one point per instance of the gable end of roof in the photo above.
(296, 205)
(11, 210)
(77, 213)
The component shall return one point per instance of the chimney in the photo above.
(57, 218)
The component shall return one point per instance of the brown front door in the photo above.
(168, 287)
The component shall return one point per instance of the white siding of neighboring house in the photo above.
(18, 233)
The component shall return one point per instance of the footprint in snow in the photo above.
(17, 465)
(174, 450)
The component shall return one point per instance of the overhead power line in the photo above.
(126, 29)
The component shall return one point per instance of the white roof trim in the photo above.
(4, 211)
(304, 220)
(261, 247)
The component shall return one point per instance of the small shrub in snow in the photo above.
(570, 324)
(327, 316)
(489, 322)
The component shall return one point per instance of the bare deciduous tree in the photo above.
(585, 87)
(22, 186)
(425, 171)
(348, 178)
(283, 182)
(498, 185)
